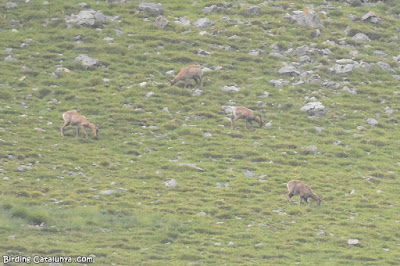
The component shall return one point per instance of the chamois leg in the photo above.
(301, 198)
(84, 130)
(201, 82)
(62, 128)
(234, 119)
(289, 196)
(77, 131)
(197, 81)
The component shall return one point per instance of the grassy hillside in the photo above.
(107, 198)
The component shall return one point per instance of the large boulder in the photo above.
(87, 61)
(88, 18)
(203, 22)
(314, 109)
(361, 37)
(152, 9)
(306, 19)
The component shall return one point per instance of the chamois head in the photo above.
(95, 129)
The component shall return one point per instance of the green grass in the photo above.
(51, 199)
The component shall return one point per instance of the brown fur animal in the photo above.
(188, 73)
(297, 187)
(73, 118)
(246, 114)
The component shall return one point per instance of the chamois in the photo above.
(73, 118)
(187, 73)
(245, 113)
(297, 187)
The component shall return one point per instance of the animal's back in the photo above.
(74, 117)
(240, 110)
(192, 70)
(295, 185)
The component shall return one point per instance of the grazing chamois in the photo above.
(73, 118)
(189, 72)
(245, 113)
(297, 187)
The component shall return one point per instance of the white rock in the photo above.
(352, 241)
(171, 183)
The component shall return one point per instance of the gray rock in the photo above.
(10, 5)
(203, 22)
(396, 77)
(161, 22)
(182, 21)
(107, 192)
(350, 90)
(344, 68)
(307, 20)
(202, 52)
(366, 66)
(253, 10)
(314, 78)
(207, 134)
(330, 85)
(86, 18)
(385, 67)
(201, 214)
(197, 92)
(312, 149)
(171, 183)
(228, 109)
(371, 17)
(279, 82)
(210, 9)
(397, 59)
(314, 109)
(380, 53)
(388, 111)
(152, 9)
(10, 58)
(276, 54)
(149, 94)
(316, 33)
(256, 52)
(248, 173)
(372, 122)
(345, 61)
(352, 242)
(233, 88)
(361, 37)
(264, 95)
(289, 70)
(301, 50)
(87, 61)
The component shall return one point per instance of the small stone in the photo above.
(372, 122)
(207, 134)
(361, 37)
(248, 173)
(149, 94)
(203, 22)
(171, 183)
(352, 242)
(201, 214)
(254, 10)
(233, 88)
(107, 192)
